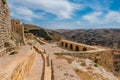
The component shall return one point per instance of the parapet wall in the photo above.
(5, 26)
(102, 57)
(19, 68)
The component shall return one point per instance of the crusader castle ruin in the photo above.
(38, 60)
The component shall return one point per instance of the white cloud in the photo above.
(112, 16)
(25, 13)
(78, 22)
(93, 17)
(22, 12)
(98, 5)
(102, 18)
(60, 8)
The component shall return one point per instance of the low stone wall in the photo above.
(19, 67)
(102, 57)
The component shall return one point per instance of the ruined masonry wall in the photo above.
(17, 31)
(104, 58)
(5, 26)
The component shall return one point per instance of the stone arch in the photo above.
(76, 48)
(62, 44)
(66, 45)
(96, 61)
(84, 49)
(71, 46)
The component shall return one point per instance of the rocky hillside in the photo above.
(100, 37)
(41, 32)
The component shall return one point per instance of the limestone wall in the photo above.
(102, 57)
(117, 62)
(5, 26)
(19, 68)
(76, 46)
(17, 31)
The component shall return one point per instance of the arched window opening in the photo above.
(84, 49)
(71, 46)
(77, 48)
(61, 43)
(66, 45)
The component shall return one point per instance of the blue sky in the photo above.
(67, 14)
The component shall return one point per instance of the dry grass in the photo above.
(89, 75)
(89, 68)
(83, 64)
(63, 57)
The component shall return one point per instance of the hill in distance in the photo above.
(100, 37)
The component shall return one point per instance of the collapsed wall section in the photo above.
(5, 26)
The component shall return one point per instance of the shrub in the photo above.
(12, 53)
(4, 1)
(96, 65)
(83, 64)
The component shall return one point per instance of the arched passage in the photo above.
(66, 45)
(76, 48)
(61, 43)
(71, 46)
(84, 49)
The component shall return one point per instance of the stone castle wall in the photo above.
(76, 46)
(17, 31)
(103, 57)
(5, 26)
(117, 62)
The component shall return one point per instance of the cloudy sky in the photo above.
(67, 14)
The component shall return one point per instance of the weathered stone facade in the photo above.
(117, 62)
(76, 46)
(17, 31)
(5, 26)
(104, 57)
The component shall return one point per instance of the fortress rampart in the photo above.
(5, 26)
(104, 57)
